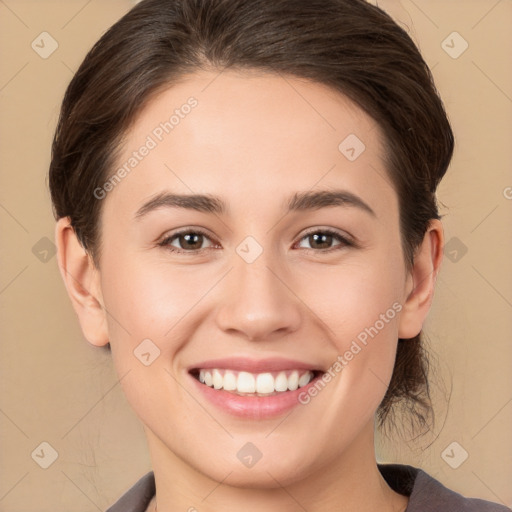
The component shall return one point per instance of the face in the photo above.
(289, 273)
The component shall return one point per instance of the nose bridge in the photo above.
(257, 301)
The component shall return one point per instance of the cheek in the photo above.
(362, 305)
(154, 308)
(149, 299)
(355, 298)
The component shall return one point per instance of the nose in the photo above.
(258, 301)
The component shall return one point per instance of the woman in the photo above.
(245, 196)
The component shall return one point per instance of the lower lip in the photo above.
(254, 407)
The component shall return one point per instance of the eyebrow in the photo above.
(299, 201)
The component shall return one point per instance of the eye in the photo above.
(189, 240)
(322, 239)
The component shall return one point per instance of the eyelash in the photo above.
(344, 241)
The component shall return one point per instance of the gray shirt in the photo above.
(426, 494)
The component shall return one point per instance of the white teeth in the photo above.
(304, 379)
(261, 383)
(246, 383)
(281, 382)
(293, 381)
(265, 383)
(218, 381)
(229, 381)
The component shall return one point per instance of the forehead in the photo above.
(239, 103)
(229, 132)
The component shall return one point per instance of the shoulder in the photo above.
(137, 498)
(426, 494)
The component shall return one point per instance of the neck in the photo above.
(349, 483)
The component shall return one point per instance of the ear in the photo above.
(421, 281)
(82, 280)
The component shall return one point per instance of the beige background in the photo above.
(56, 388)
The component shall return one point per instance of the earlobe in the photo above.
(82, 282)
(421, 281)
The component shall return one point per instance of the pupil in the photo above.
(189, 238)
(324, 238)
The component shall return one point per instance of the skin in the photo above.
(254, 139)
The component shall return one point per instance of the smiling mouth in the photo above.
(254, 384)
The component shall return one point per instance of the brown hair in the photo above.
(349, 45)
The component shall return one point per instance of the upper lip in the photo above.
(251, 365)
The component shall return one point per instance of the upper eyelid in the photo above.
(184, 232)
